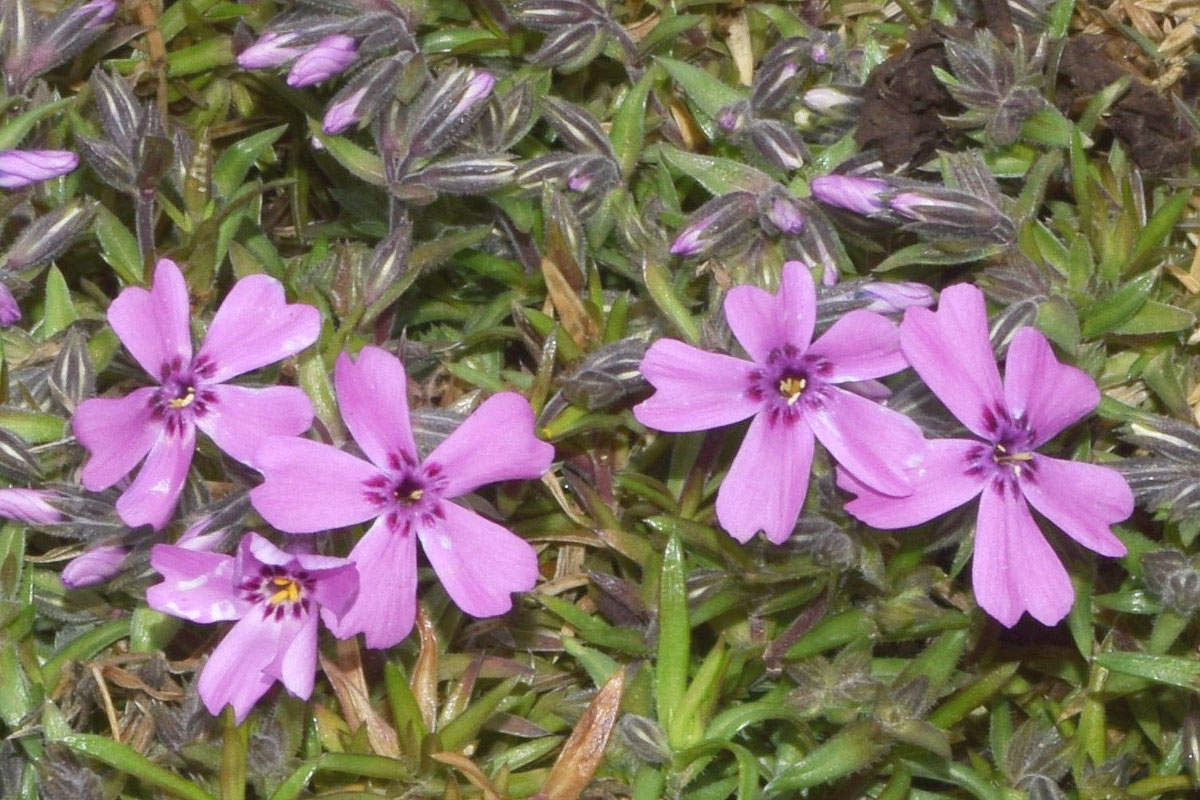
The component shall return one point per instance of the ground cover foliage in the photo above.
(522, 197)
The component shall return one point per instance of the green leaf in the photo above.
(674, 635)
(1159, 226)
(628, 130)
(1049, 127)
(118, 247)
(709, 94)
(13, 131)
(465, 727)
(1117, 307)
(851, 749)
(232, 167)
(59, 311)
(717, 175)
(361, 163)
(1171, 670)
(129, 761)
(1156, 317)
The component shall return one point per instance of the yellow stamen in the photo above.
(415, 495)
(289, 590)
(185, 401)
(791, 388)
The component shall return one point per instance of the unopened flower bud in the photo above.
(784, 215)
(271, 50)
(820, 53)
(732, 118)
(325, 59)
(851, 192)
(719, 223)
(948, 212)
(29, 506)
(894, 298)
(10, 312)
(341, 114)
(20, 168)
(94, 566)
(99, 11)
(827, 100)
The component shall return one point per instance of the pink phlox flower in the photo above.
(1014, 568)
(254, 326)
(273, 595)
(313, 487)
(791, 389)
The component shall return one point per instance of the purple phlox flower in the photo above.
(95, 565)
(313, 487)
(791, 390)
(19, 168)
(273, 595)
(1014, 569)
(895, 298)
(329, 56)
(30, 506)
(341, 115)
(855, 193)
(254, 326)
(270, 50)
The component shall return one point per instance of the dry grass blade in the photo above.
(585, 747)
(346, 677)
(424, 676)
(470, 771)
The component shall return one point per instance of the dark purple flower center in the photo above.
(787, 381)
(278, 591)
(408, 493)
(1009, 455)
(183, 396)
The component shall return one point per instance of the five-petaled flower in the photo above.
(313, 487)
(791, 390)
(255, 326)
(1014, 568)
(274, 596)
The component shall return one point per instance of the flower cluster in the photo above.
(277, 595)
(798, 390)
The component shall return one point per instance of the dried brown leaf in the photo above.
(583, 750)
(346, 677)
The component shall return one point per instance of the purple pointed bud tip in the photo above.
(789, 69)
(94, 566)
(728, 119)
(270, 50)
(29, 506)
(820, 53)
(829, 274)
(687, 243)
(342, 114)
(579, 183)
(480, 86)
(328, 57)
(20, 168)
(100, 11)
(10, 312)
(894, 298)
(850, 192)
(909, 204)
(785, 216)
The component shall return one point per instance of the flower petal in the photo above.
(295, 662)
(767, 481)
(952, 353)
(1014, 569)
(1046, 392)
(695, 390)
(196, 586)
(386, 605)
(939, 483)
(256, 326)
(762, 321)
(311, 486)
(117, 432)
(240, 420)
(479, 563)
(1085, 500)
(373, 397)
(859, 346)
(153, 325)
(234, 674)
(495, 443)
(877, 444)
(154, 493)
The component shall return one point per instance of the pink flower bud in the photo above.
(10, 312)
(894, 298)
(20, 168)
(28, 506)
(94, 566)
(341, 115)
(325, 59)
(270, 50)
(851, 192)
